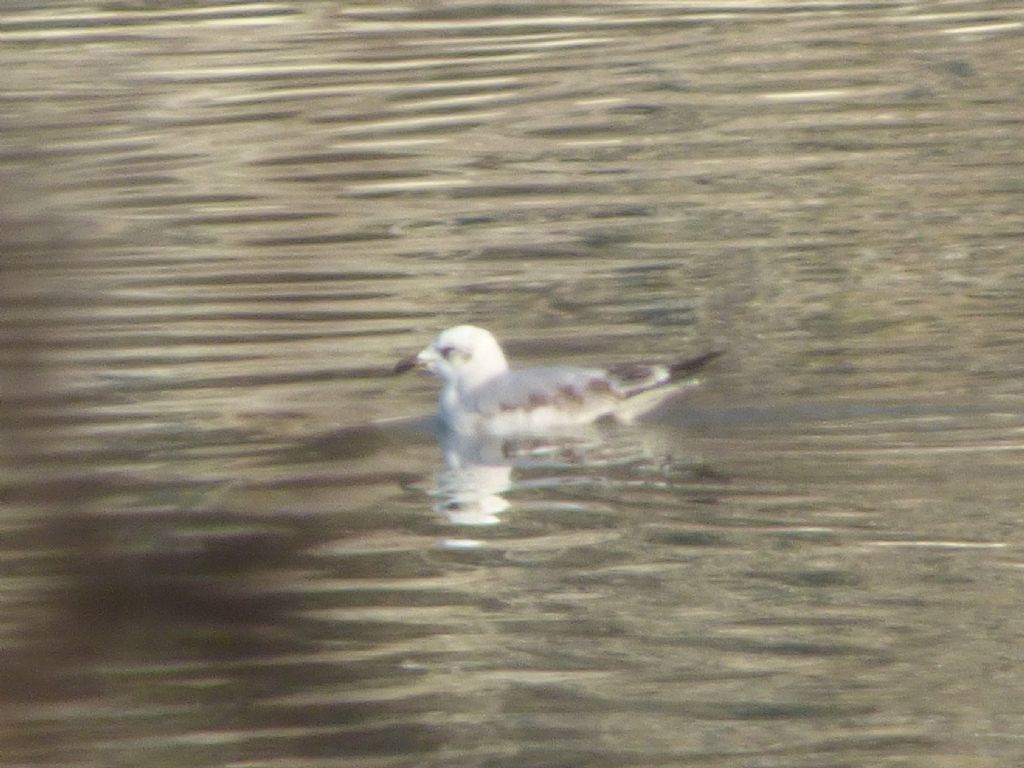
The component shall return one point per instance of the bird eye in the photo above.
(447, 352)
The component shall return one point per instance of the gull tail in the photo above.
(680, 381)
(686, 368)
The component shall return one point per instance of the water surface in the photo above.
(229, 536)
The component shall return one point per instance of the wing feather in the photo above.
(582, 393)
(529, 389)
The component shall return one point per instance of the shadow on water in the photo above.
(226, 538)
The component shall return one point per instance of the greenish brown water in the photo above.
(229, 538)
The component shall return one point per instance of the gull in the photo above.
(481, 394)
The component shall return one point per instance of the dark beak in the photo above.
(406, 364)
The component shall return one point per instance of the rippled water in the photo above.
(230, 537)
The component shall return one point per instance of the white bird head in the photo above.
(464, 354)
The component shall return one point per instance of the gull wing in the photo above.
(648, 386)
(579, 395)
(572, 390)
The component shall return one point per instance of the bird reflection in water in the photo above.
(478, 469)
(492, 419)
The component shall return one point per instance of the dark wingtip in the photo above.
(693, 364)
